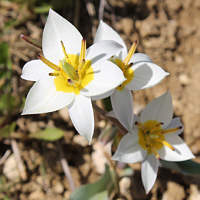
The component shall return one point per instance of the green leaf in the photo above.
(186, 167)
(101, 196)
(7, 102)
(7, 130)
(42, 9)
(91, 191)
(49, 134)
(189, 167)
(4, 55)
(114, 179)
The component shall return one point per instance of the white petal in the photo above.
(102, 50)
(43, 97)
(58, 29)
(122, 103)
(82, 116)
(35, 70)
(140, 57)
(105, 32)
(160, 109)
(149, 172)
(146, 75)
(102, 96)
(107, 76)
(128, 150)
(176, 122)
(181, 153)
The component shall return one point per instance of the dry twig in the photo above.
(65, 167)
(20, 165)
(102, 112)
(5, 156)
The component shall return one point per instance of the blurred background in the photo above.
(32, 146)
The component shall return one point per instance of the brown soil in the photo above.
(169, 32)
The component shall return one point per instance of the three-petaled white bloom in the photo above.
(137, 68)
(69, 74)
(154, 136)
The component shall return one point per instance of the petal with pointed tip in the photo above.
(146, 75)
(128, 150)
(43, 98)
(82, 116)
(181, 153)
(105, 32)
(149, 170)
(35, 70)
(122, 103)
(160, 109)
(102, 50)
(58, 29)
(106, 77)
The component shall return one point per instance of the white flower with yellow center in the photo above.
(69, 74)
(154, 136)
(138, 69)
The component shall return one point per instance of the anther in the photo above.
(139, 124)
(128, 66)
(54, 74)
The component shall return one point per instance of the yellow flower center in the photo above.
(125, 66)
(152, 136)
(73, 72)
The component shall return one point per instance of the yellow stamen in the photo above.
(64, 75)
(165, 143)
(64, 51)
(151, 136)
(130, 53)
(48, 63)
(155, 152)
(171, 130)
(128, 66)
(83, 51)
(81, 64)
(140, 125)
(54, 74)
(154, 130)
